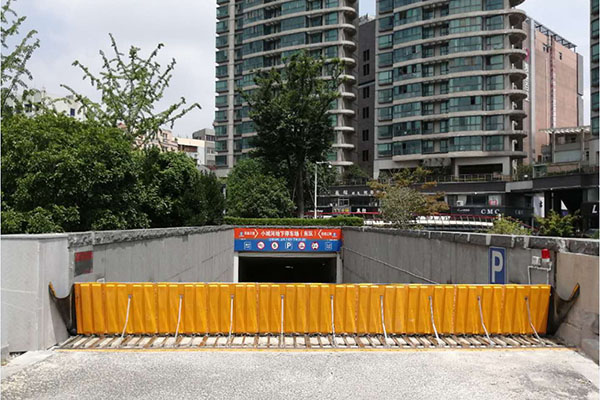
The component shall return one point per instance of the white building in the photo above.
(202, 151)
(39, 99)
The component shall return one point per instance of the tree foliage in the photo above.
(556, 225)
(59, 174)
(16, 52)
(507, 226)
(130, 87)
(253, 193)
(402, 199)
(289, 109)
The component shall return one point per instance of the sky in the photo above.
(72, 30)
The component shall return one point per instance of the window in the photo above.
(221, 145)
(292, 40)
(494, 42)
(385, 114)
(385, 96)
(427, 146)
(444, 146)
(428, 109)
(494, 123)
(472, 43)
(428, 70)
(386, 5)
(365, 135)
(331, 19)
(494, 23)
(407, 53)
(465, 143)
(465, 25)
(471, 103)
(331, 52)
(222, 26)
(444, 126)
(494, 143)
(221, 41)
(428, 127)
(331, 35)
(595, 28)
(385, 59)
(465, 6)
(457, 124)
(407, 110)
(407, 128)
(384, 77)
(221, 55)
(407, 72)
(407, 148)
(221, 130)
(221, 115)
(384, 132)
(494, 4)
(220, 161)
(444, 88)
(386, 23)
(221, 71)
(494, 62)
(494, 103)
(366, 92)
(407, 91)
(331, 3)
(495, 82)
(315, 37)
(468, 83)
(365, 155)
(384, 150)
(221, 100)
(221, 86)
(385, 41)
(365, 112)
(366, 55)
(292, 7)
(366, 69)
(408, 35)
(465, 64)
(408, 16)
(428, 89)
(428, 52)
(293, 23)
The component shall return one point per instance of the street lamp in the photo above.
(316, 169)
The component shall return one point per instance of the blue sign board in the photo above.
(287, 245)
(497, 265)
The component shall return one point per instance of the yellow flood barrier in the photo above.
(158, 308)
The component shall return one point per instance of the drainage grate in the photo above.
(308, 342)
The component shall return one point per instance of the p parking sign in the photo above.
(497, 265)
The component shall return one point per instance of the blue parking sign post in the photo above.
(497, 265)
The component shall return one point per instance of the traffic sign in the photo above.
(260, 245)
(301, 245)
(274, 245)
(497, 265)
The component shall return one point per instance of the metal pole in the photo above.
(316, 168)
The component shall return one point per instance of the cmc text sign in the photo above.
(287, 240)
(497, 265)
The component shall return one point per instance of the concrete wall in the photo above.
(392, 255)
(31, 262)
(157, 255)
(580, 327)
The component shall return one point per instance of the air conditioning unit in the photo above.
(460, 203)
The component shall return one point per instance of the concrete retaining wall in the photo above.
(31, 262)
(393, 256)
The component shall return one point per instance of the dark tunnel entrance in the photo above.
(287, 269)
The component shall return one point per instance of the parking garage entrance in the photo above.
(282, 255)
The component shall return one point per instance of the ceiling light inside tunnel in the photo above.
(289, 267)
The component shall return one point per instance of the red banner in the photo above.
(301, 233)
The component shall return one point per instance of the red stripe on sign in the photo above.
(83, 256)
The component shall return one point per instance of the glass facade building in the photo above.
(254, 35)
(450, 86)
(594, 63)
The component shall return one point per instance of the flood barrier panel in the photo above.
(199, 308)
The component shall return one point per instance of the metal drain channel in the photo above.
(308, 342)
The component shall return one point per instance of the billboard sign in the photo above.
(287, 240)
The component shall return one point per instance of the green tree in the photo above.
(507, 226)
(402, 197)
(175, 191)
(289, 109)
(253, 193)
(215, 201)
(16, 52)
(130, 87)
(62, 174)
(556, 225)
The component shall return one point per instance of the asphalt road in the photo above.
(407, 374)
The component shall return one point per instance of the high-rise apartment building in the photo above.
(450, 85)
(366, 93)
(594, 54)
(555, 87)
(259, 34)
